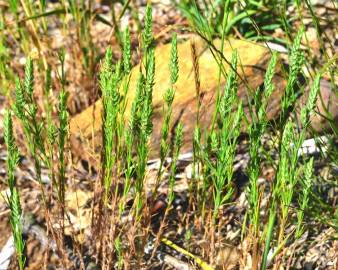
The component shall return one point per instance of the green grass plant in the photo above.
(167, 110)
(13, 199)
(26, 109)
(251, 19)
(304, 199)
(145, 111)
(63, 132)
(110, 100)
(52, 131)
(296, 63)
(224, 142)
(256, 131)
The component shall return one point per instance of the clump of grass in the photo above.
(14, 198)
(127, 154)
(287, 174)
(287, 178)
(287, 171)
(167, 110)
(223, 142)
(41, 134)
(110, 78)
(296, 63)
(146, 110)
(26, 109)
(110, 100)
(256, 130)
(251, 19)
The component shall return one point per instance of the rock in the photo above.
(253, 58)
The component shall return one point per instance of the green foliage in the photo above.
(310, 105)
(256, 131)
(26, 110)
(252, 19)
(14, 199)
(177, 147)
(13, 153)
(198, 21)
(173, 60)
(127, 52)
(147, 36)
(29, 79)
(137, 104)
(296, 63)
(142, 111)
(52, 131)
(146, 114)
(288, 171)
(224, 141)
(167, 108)
(63, 131)
(43, 5)
(268, 89)
(230, 91)
(109, 81)
(305, 196)
(118, 248)
(19, 107)
(13, 5)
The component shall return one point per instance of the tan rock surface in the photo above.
(253, 60)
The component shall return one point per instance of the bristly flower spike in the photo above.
(148, 24)
(127, 52)
(29, 78)
(173, 60)
(14, 199)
